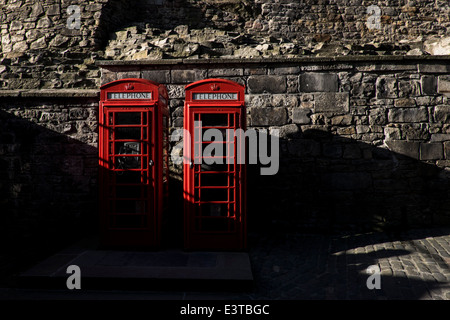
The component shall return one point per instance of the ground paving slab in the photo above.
(412, 265)
(141, 269)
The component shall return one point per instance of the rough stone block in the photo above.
(447, 150)
(284, 70)
(318, 82)
(377, 116)
(431, 151)
(160, 76)
(36, 10)
(442, 113)
(344, 120)
(301, 116)
(346, 130)
(226, 72)
(266, 84)
(20, 46)
(415, 131)
(404, 102)
(53, 10)
(444, 84)
(408, 115)
(44, 22)
(391, 133)
(15, 25)
(434, 68)
(386, 87)
(409, 88)
(284, 100)
(292, 84)
(336, 103)
(187, 76)
(175, 91)
(429, 84)
(39, 44)
(258, 100)
(268, 116)
(440, 137)
(406, 148)
(287, 131)
(94, 7)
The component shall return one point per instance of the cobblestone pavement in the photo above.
(414, 265)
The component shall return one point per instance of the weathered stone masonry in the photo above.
(364, 142)
(363, 114)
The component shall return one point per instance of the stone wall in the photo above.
(365, 143)
(42, 48)
(362, 112)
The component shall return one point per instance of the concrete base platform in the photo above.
(147, 270)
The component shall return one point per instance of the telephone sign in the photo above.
(129, 95)
(133, 160)
(214, 96)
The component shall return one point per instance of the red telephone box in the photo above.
(133, 159)
(214, 166)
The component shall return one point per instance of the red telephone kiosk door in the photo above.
(133, 161)
(214, 166)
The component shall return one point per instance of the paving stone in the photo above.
(323, 267)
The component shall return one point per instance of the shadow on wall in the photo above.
(48, 181)
(48, 194)
(167, 14)
(330, 183)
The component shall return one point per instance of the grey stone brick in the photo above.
(444, 84)
(429, 84)
(405, 102)
(391, 133)
(440, 137)
(287, 131)
(266, 84)
(447, 150)
(336, 103)
(442, 113)
(284, 70)
(434, 68)
(301, 116)
(408, 115)
(386, 87)
(226, 72)
(187, 76)
(406, 148)
(431, 151)
(318, 82)
(160, 76)
(409, 88)
(268, 116)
